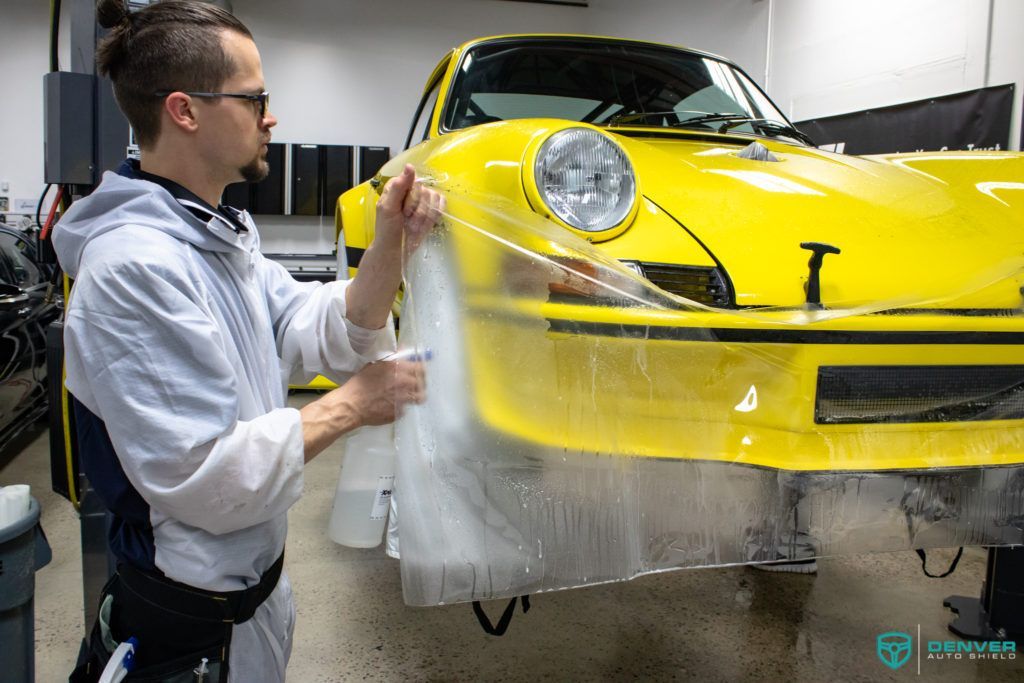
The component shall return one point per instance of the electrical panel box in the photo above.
(68, 142)
(370, 161)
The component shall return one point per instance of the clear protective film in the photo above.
(583, 426)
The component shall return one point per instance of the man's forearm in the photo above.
(326, 419)
(368, 299)
(405, 211)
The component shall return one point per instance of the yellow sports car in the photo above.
(668, 331)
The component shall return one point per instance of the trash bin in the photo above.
(23, 550)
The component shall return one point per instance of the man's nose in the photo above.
(269, 121)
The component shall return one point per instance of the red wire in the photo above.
(45, 234)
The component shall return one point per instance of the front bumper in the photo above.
(680, 385)
(564, 444)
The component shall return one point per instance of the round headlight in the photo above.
(585, 179)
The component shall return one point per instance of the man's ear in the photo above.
(178, 106)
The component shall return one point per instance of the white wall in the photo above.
(24, 59)
(833, 56)
(1007, 58)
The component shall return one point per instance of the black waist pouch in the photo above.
(176, 626)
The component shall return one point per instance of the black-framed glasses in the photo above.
(263, 99)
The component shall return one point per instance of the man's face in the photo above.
(236, 138)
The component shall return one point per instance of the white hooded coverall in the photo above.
(182, 338)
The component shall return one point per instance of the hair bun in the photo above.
(111, 13)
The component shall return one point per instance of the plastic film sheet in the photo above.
(584, 426)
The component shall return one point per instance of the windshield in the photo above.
(615, 84)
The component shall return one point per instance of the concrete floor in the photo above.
(735, 624)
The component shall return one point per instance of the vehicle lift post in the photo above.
(999, 613)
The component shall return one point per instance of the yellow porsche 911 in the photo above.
(656, 303)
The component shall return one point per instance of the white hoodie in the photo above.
(182, 338)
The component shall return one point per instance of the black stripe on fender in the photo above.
(354, 255)
(762, 336)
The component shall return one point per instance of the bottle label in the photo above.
(382, 501)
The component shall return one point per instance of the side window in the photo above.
(421, 125)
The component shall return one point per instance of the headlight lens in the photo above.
(585, 179)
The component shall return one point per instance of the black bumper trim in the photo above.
(796, 336)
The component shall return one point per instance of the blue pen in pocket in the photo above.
(122, 660)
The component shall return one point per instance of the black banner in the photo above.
(977, 119)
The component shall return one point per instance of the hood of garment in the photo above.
(120, 201)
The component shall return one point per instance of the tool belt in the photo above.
(233, 607)
(176, 625)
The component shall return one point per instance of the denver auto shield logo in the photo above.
(894, 648)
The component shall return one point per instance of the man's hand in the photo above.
(380, 390)
(406, 204)
(375, 395)
(405, 208)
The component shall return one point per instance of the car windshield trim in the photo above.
(435, 85)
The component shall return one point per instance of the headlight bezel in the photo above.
(536, 195)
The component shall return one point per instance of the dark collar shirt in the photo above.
(130, 168)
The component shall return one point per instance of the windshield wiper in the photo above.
(710, 117)
(637, 116)
(779, 128)
(767, 127)
(701, 116)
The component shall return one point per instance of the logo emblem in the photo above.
(894, 649)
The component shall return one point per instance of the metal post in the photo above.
(97, 562)
(999, 613)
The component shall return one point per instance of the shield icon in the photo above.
(894, 649)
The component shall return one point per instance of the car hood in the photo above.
(913, 229)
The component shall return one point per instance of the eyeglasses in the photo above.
(263, 99)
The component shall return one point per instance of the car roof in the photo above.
(455, 53)
(526, 37)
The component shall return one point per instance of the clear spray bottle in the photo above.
(363, 496)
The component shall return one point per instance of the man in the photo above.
(180, 339)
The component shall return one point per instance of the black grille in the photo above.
(871, 394)
(701, 284)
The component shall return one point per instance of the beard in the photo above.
(256, 170)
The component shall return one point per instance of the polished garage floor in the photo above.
(733, 624)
